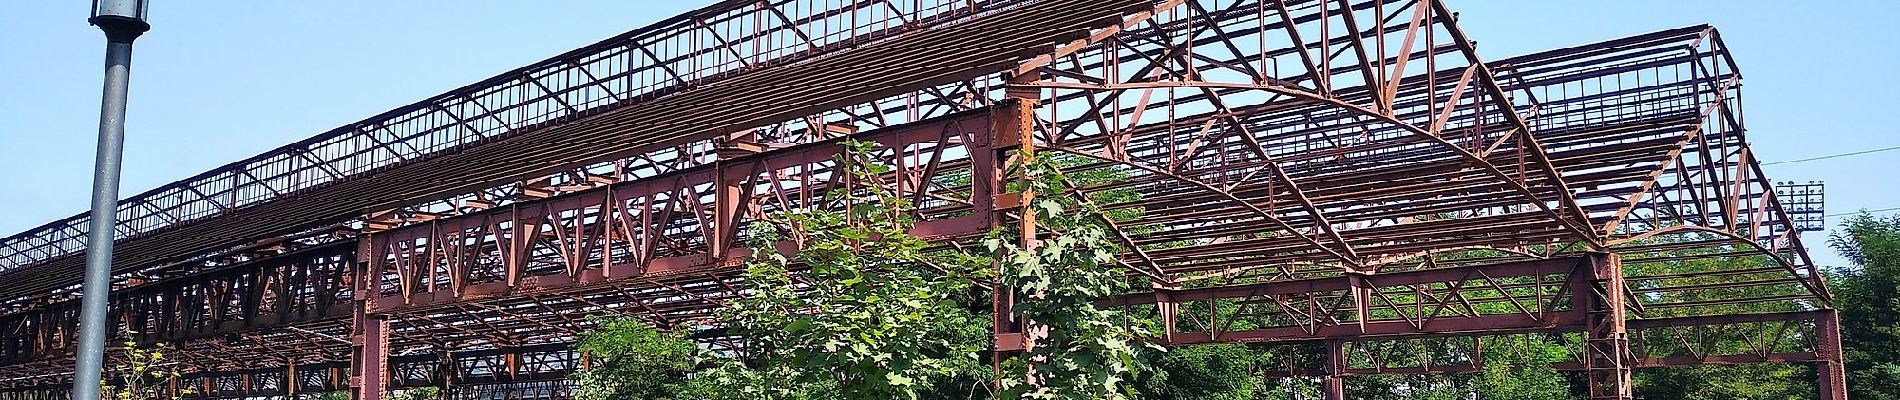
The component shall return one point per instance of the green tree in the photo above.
(859, 310)
(1703, 266)
(421, 393)
(1737, 382)
(1085, 352)
(1867, 295)
(1518, 367)
(1204, 372)
(632, 360)
(872, 314)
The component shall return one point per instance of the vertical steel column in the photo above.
(370, 360)
(122, 22)
(1361, 300)
(1011, 130)
(1831, 376)
(446, 371)
(512, 360)
(1167, 310)
(1607, 357)
(726, 204)
(729, 192)
(1333, 385)
(369, 333)
(290, 383)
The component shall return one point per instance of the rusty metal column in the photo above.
(290, 382)
(728, 202)
(1167, 310)
(370, 361)
(1831, 376)
(369, 333)
(1607, 357)
(1333, 385)
(512, 359)
(1361, 300)
(1011, 130)
(447, 372)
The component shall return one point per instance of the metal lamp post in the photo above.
(122, 21)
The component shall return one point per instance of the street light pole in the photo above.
(122, 21)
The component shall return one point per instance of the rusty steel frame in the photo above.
(661, 80)
(1339, 180)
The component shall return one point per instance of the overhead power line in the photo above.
(1863, 211)
(1833, 156)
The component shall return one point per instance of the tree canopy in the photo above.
(1866, 293)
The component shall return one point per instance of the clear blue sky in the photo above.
(215, 82)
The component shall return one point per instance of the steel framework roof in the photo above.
(1347, 173)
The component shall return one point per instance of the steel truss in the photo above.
(1339, 181)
